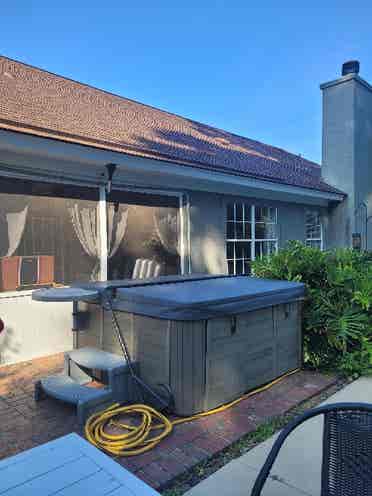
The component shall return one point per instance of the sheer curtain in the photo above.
(86, 225)
(166, 228)
(16, 222)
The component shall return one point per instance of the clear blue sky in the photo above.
(251, 67)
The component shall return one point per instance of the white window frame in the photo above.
(310, 241)
(253, 240)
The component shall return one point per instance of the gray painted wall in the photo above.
(207, 233)
(36, 329)
(347, 154)
(207, 227)
(363, 154)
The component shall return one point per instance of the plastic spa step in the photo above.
(71, 385)
(63, 388)
(93, 358)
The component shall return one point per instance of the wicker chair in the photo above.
(347, 449)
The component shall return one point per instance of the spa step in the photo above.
(81, 366)
(64, 388)
(93, 358)
(83, 363)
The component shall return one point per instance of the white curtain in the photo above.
(166, 228)
(117, 227)
(16, 226)
(86, 225)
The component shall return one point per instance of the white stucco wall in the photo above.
(33, 329)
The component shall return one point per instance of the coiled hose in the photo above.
(134, 440)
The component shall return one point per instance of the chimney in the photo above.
(347, 153)
(350, 67)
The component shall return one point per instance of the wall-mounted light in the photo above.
(357, 241)
(111, 168)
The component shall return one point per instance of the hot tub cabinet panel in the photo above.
(207, 362)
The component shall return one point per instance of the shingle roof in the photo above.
(38, 102)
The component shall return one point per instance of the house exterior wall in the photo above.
(37, 329)
(208, 227)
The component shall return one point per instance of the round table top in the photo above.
(64, 294)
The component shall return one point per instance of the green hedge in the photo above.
(338, 308)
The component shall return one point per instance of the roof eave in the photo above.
(91, 154)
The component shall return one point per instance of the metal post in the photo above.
(103, 233)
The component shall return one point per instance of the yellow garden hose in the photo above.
(137, 439)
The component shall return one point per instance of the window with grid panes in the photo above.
(314, 231)
(251, 232)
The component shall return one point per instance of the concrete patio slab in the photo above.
(297, 469)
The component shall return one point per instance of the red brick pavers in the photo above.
(25, 424)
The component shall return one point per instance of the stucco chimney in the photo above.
(347, 152)
(350, 67)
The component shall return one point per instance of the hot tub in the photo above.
(209, 339)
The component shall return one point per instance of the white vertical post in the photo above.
(181, 233)
(103, 233)
(253, 232)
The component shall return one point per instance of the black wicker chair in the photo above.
(347, 449)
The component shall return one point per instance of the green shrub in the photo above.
(338, 308)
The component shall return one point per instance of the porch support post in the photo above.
(103, 233)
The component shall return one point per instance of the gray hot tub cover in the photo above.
(207, 298)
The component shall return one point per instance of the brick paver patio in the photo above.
(25, 424)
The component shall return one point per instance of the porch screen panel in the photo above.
(149, 243)
(48, 235)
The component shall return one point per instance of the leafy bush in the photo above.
(338, 308)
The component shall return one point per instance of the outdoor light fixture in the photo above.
(357, 241)
(110, 173)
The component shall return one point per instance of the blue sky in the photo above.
(249, 67)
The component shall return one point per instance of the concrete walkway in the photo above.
(297, 469)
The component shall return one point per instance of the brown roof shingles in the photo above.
(38, 102)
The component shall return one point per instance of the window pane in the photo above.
(247, 212)
(265, 231)
(230, 250)
(239, 211)
(247, 268)
(239, 250)
(314, 243)
(230, 230)
(230, 211)
(263, 248)
(246, 250)
(239, 267)
(239, 230)
(230, 267)
(265, 214)
(313, 228)
(247, 230)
